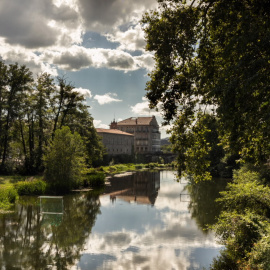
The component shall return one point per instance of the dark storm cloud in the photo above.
(99, 15)
(26, 22)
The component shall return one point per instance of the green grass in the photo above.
(8, 196)
(12, 186)
(119, 168)
(94, 180)
(34, 187)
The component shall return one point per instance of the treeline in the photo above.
(31, 110)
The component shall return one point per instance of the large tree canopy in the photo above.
(214, 54)
(30, 113)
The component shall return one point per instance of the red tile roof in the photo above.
(112, 131)
(144, 121)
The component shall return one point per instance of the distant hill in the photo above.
(165, 141)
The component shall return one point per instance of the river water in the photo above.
(145, 220)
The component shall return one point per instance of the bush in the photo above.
(94, 180)
(65, 161)
(8, 196)
(244, 227)
(36, 187)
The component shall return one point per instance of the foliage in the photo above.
(94, 180)
(30, 113)
(8, 196)
(197, 143)
(35, 187)
(65, 235)
(166, 148)
(247, 193)
(244, 225)
(64, 160)
(259, 257)
(212, 57)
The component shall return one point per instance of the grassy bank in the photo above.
(11, 187)
(120, 168)
(8, 196)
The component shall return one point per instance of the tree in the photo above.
(30, 113)
(45, 90)
(19, 79)
(64, 160)
(214, 55)
(3, 93)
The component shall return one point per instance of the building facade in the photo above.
(116, 141)
(145, 130)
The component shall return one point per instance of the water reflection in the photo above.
(141, 221)
(30, 240)
(159, 234)
(202, 204)
(141, 187)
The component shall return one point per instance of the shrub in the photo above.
(36, 187)
(95, 180)
(8, 196)
(243, 227)
(64, 161)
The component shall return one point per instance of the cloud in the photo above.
(83, 91)
(99, 16)
(107, 98)
(146, 61)
(142, 108)
(12, 54)
(36, 24)
(131, 40)
(98, 124)
(77, 57)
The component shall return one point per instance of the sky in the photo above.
(97, 45)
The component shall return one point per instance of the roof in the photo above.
(144, 121)
(113, 131)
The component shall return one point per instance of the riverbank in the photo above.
(11, 187)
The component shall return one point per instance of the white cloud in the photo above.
(106, 98)
(98, 124)
(83, 91)
(131, 40)
(142, 108)
(38, 24)
(34, 62)
(77, 57)
(146, 61)
(166, 128)
(47, 36)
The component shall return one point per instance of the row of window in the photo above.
(116, 150)
(142, 149)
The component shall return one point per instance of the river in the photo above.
(145, 220)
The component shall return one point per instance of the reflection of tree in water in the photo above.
(26, 242)
(202, 204)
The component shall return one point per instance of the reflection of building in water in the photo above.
(141, 187)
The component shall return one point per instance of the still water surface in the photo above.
(146, 220)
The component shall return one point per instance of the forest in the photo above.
(31, 111)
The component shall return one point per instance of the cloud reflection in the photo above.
(174, 242)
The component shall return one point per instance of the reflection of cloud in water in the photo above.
(167, 238)
(93, 261)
